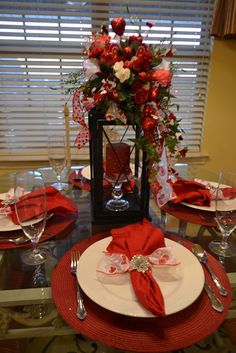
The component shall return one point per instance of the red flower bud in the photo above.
(118, 26)
(148, 123)
(183, 152)
(127, 52)
(135, 38)
(128, 64)
(150, 24)
(141, 96)
(153, 93)
(142, 76)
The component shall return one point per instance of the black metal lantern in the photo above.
(117, 139)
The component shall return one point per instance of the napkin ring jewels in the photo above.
(139, 263)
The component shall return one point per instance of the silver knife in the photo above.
(215, 302)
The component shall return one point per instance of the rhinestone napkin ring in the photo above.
(139, 263)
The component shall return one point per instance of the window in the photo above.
(43, 40)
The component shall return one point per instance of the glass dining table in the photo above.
(40, 301)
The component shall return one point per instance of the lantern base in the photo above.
(117, 205)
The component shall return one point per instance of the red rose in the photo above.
(97, 46)
(148, 123)
(136, 86)
(142, 51)
(138, 64)
(153, 93)
(95, 52)
(148, 110)
(143, 61)
(110, 54)
(128, 64)
(127, 52)
(161, 76)
(141, 96)
(135, 38)
(142, 76)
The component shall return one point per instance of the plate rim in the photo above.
(13, 226)
(142, 312)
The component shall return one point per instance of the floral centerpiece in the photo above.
(129, 81)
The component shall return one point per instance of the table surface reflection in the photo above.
(15, 275)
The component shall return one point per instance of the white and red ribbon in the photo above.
(78, 115)
(164, 192)
(119, 263)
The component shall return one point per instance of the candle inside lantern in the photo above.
(117, 160)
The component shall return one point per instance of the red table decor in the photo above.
(127, 82)
(147, 335)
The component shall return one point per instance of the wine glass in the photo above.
(57, 158)
(117, 172)
(225, 204)
(31, 212)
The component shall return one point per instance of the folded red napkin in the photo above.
(56, 203)
(192, 192)
(141, 238)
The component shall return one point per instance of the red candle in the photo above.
(117, 160)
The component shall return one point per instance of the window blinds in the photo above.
(41, 41)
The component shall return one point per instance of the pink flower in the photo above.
(163, 77)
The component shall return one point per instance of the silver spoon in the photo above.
(200, 253)
(19, 240)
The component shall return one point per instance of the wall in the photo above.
(219, 139)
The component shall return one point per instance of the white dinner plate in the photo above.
(87, 174)
(120, 298)
(224, 205)
(6, 223)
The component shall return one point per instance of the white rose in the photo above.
(123, 75)
(118, 65)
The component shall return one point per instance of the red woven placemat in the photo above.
(56, 226)
(136, 334)
(189, 214)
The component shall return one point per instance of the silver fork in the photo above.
(81, 312)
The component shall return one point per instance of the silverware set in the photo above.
(81, 312)
(216, 303)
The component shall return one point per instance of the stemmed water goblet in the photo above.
(31, 212)
(225, 214)
(57, 158)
